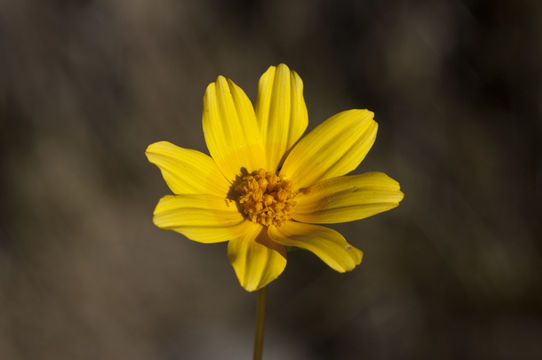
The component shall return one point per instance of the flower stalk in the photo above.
(260, 323)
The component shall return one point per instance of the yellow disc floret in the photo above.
(263, 197)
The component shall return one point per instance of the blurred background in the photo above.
(453, 273)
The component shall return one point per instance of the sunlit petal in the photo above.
(330, 246)
(347, 198)
(334, 148)
(187, 171)
(230, 128)
(202, 218)
(281, 112)
(255, 258)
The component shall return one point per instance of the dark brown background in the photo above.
(453, 273)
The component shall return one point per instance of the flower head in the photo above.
(264, 187)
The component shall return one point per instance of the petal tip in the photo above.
(401, 196)
(210, 89)
(283, 67)
(359, 254)
(270, 69)
(155, 221)
(251, 287)
(152, 148)
(149, 148)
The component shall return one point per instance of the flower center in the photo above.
(263, 197)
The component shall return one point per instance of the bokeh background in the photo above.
(453, 273)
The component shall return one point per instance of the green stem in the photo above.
(260, 324)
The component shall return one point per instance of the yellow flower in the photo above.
(264, 188)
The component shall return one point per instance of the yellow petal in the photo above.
(230, 128)
(255, 258)
(327, 244)
(281, 112)
(347, 198)
(187, 171)
(202, 218)
(334, 148)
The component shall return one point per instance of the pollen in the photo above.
(263, 197)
